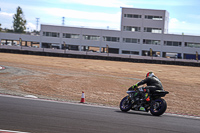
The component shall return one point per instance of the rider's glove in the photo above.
(133, 87)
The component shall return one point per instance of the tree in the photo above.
(19, 21)
(0, 27)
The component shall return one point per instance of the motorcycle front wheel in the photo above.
(158, 107)
(125, 104)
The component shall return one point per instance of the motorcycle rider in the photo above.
(153, 83)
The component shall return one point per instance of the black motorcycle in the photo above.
(136, 100)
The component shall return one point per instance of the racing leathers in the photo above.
(153, 83)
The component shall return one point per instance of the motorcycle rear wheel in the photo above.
(158, 107)
(125, 104)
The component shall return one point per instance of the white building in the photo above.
(141, 30)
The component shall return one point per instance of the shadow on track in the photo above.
(137, 113)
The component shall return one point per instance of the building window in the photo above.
(131, 40)
(111, 39)
(130, 52)
(154, 42)
(131, 28)
(171, 43)
(193, 45)
(153, 30)
(153, 17)
(67, 35)
(91, 37)
(132, 16)
(55, 34)
(51, 34)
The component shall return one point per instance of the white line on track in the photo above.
(9, 131)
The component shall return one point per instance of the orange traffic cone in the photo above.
(82, 97)
(1, 68)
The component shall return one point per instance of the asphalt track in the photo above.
(43, 116)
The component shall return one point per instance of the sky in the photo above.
(99, 14)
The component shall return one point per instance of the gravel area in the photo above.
(104, 82)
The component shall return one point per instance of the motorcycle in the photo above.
(137, 100)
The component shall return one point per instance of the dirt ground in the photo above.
(104, 82)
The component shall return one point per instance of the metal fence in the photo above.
(95, 55)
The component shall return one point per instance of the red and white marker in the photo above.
(1, 68)
(83, 97)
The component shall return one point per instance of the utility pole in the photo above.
(37, 21)
(63, 21)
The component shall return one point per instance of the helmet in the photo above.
(150, 74)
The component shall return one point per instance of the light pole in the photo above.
(64, 46)
(86, 47)
(107, 50)
(197, 56)
(151, 53)
(37, 21)
(20, 42)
